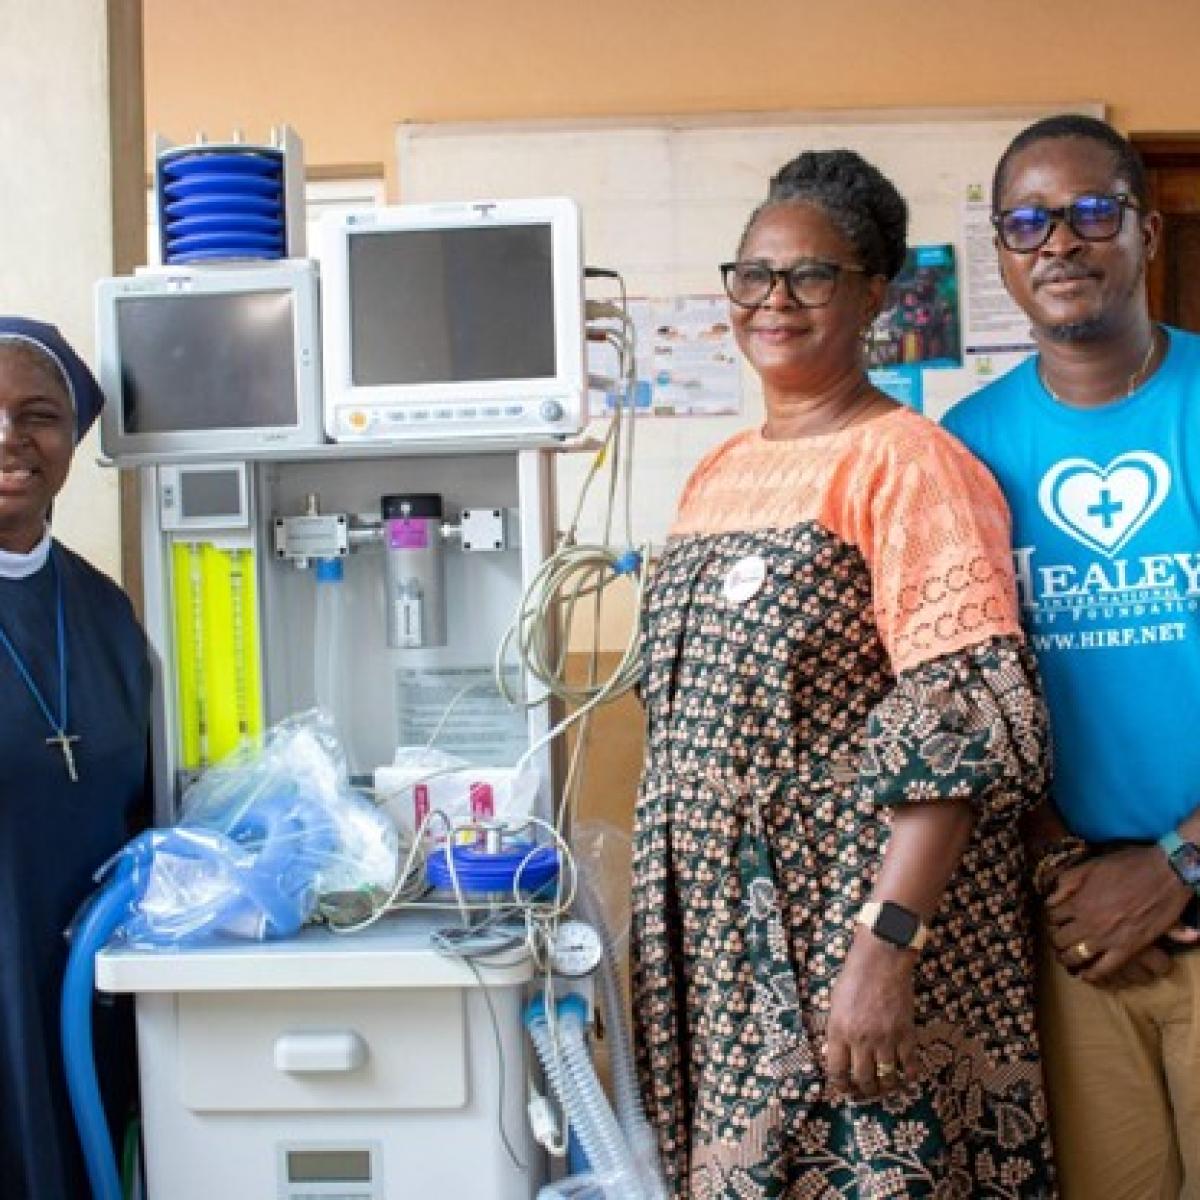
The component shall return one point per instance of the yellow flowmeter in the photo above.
(216, 650)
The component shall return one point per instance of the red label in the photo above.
(483, 804)
(420, 803)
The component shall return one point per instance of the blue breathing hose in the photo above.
(97, 925)
(287, 838)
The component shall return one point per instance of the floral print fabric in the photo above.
(778, 741)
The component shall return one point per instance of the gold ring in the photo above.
(1083, 951)
(885, 1069)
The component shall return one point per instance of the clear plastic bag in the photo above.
(604, 856)
(265, 839)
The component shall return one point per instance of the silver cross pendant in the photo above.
(62, 739)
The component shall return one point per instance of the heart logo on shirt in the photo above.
(1103, 507)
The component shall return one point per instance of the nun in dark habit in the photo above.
(74, 728)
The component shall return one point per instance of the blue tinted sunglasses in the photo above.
(1092, 218)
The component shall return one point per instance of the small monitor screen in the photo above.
(210, 493)
(451, 305)
(329, 1166)
(207, 361)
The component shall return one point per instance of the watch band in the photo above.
(1170, 842)
(894, 923)
(1183, 857)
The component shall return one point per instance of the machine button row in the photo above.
(397, 416)
(360, 420)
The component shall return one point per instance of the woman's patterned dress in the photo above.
(831, 632)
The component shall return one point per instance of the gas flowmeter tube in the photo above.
(416, 601)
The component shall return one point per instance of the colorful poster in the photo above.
(918, 329)
(919, 321)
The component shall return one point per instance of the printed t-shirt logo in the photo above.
(1103, 507)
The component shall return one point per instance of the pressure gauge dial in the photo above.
(575, 949)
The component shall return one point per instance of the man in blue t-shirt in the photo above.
(1095, 441)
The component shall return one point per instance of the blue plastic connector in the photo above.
(572, 1002)
(628, 563)
(535, 1010)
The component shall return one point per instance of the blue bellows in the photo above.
(222, 204)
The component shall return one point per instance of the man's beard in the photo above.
(1097, 327)
(1092, 329)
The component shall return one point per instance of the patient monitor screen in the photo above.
(451, 305)
(207, 361)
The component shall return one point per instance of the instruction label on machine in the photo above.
(476, 723)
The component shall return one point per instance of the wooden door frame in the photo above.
(1161, 152)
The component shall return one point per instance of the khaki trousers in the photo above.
(1123, 1078)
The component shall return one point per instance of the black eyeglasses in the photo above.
(810, 283)
(1092, 218)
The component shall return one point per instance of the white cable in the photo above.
(437, 729)
(539, 635)
(567, 576)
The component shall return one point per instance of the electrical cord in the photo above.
(501, 1064)
(539, 636)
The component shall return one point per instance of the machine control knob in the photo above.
(551, 410)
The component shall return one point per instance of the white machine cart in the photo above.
(341, 1068)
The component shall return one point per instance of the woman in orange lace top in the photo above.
(831, 950)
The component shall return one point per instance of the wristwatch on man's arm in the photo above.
(1184, 857)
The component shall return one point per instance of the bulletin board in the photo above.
(664, 201)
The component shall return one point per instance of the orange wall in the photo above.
(344, 72)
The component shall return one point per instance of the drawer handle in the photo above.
(319, 1052)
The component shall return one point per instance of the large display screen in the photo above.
(207, 361)
(451, 305)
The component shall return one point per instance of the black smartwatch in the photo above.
(894, 923)
(1184, 858)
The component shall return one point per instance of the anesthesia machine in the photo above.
(346, 471)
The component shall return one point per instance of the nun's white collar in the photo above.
(21, 566)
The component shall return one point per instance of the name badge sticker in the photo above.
(744, 580)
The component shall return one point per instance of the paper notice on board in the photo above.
(462, 711)
(687, 360)
(992, 324)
